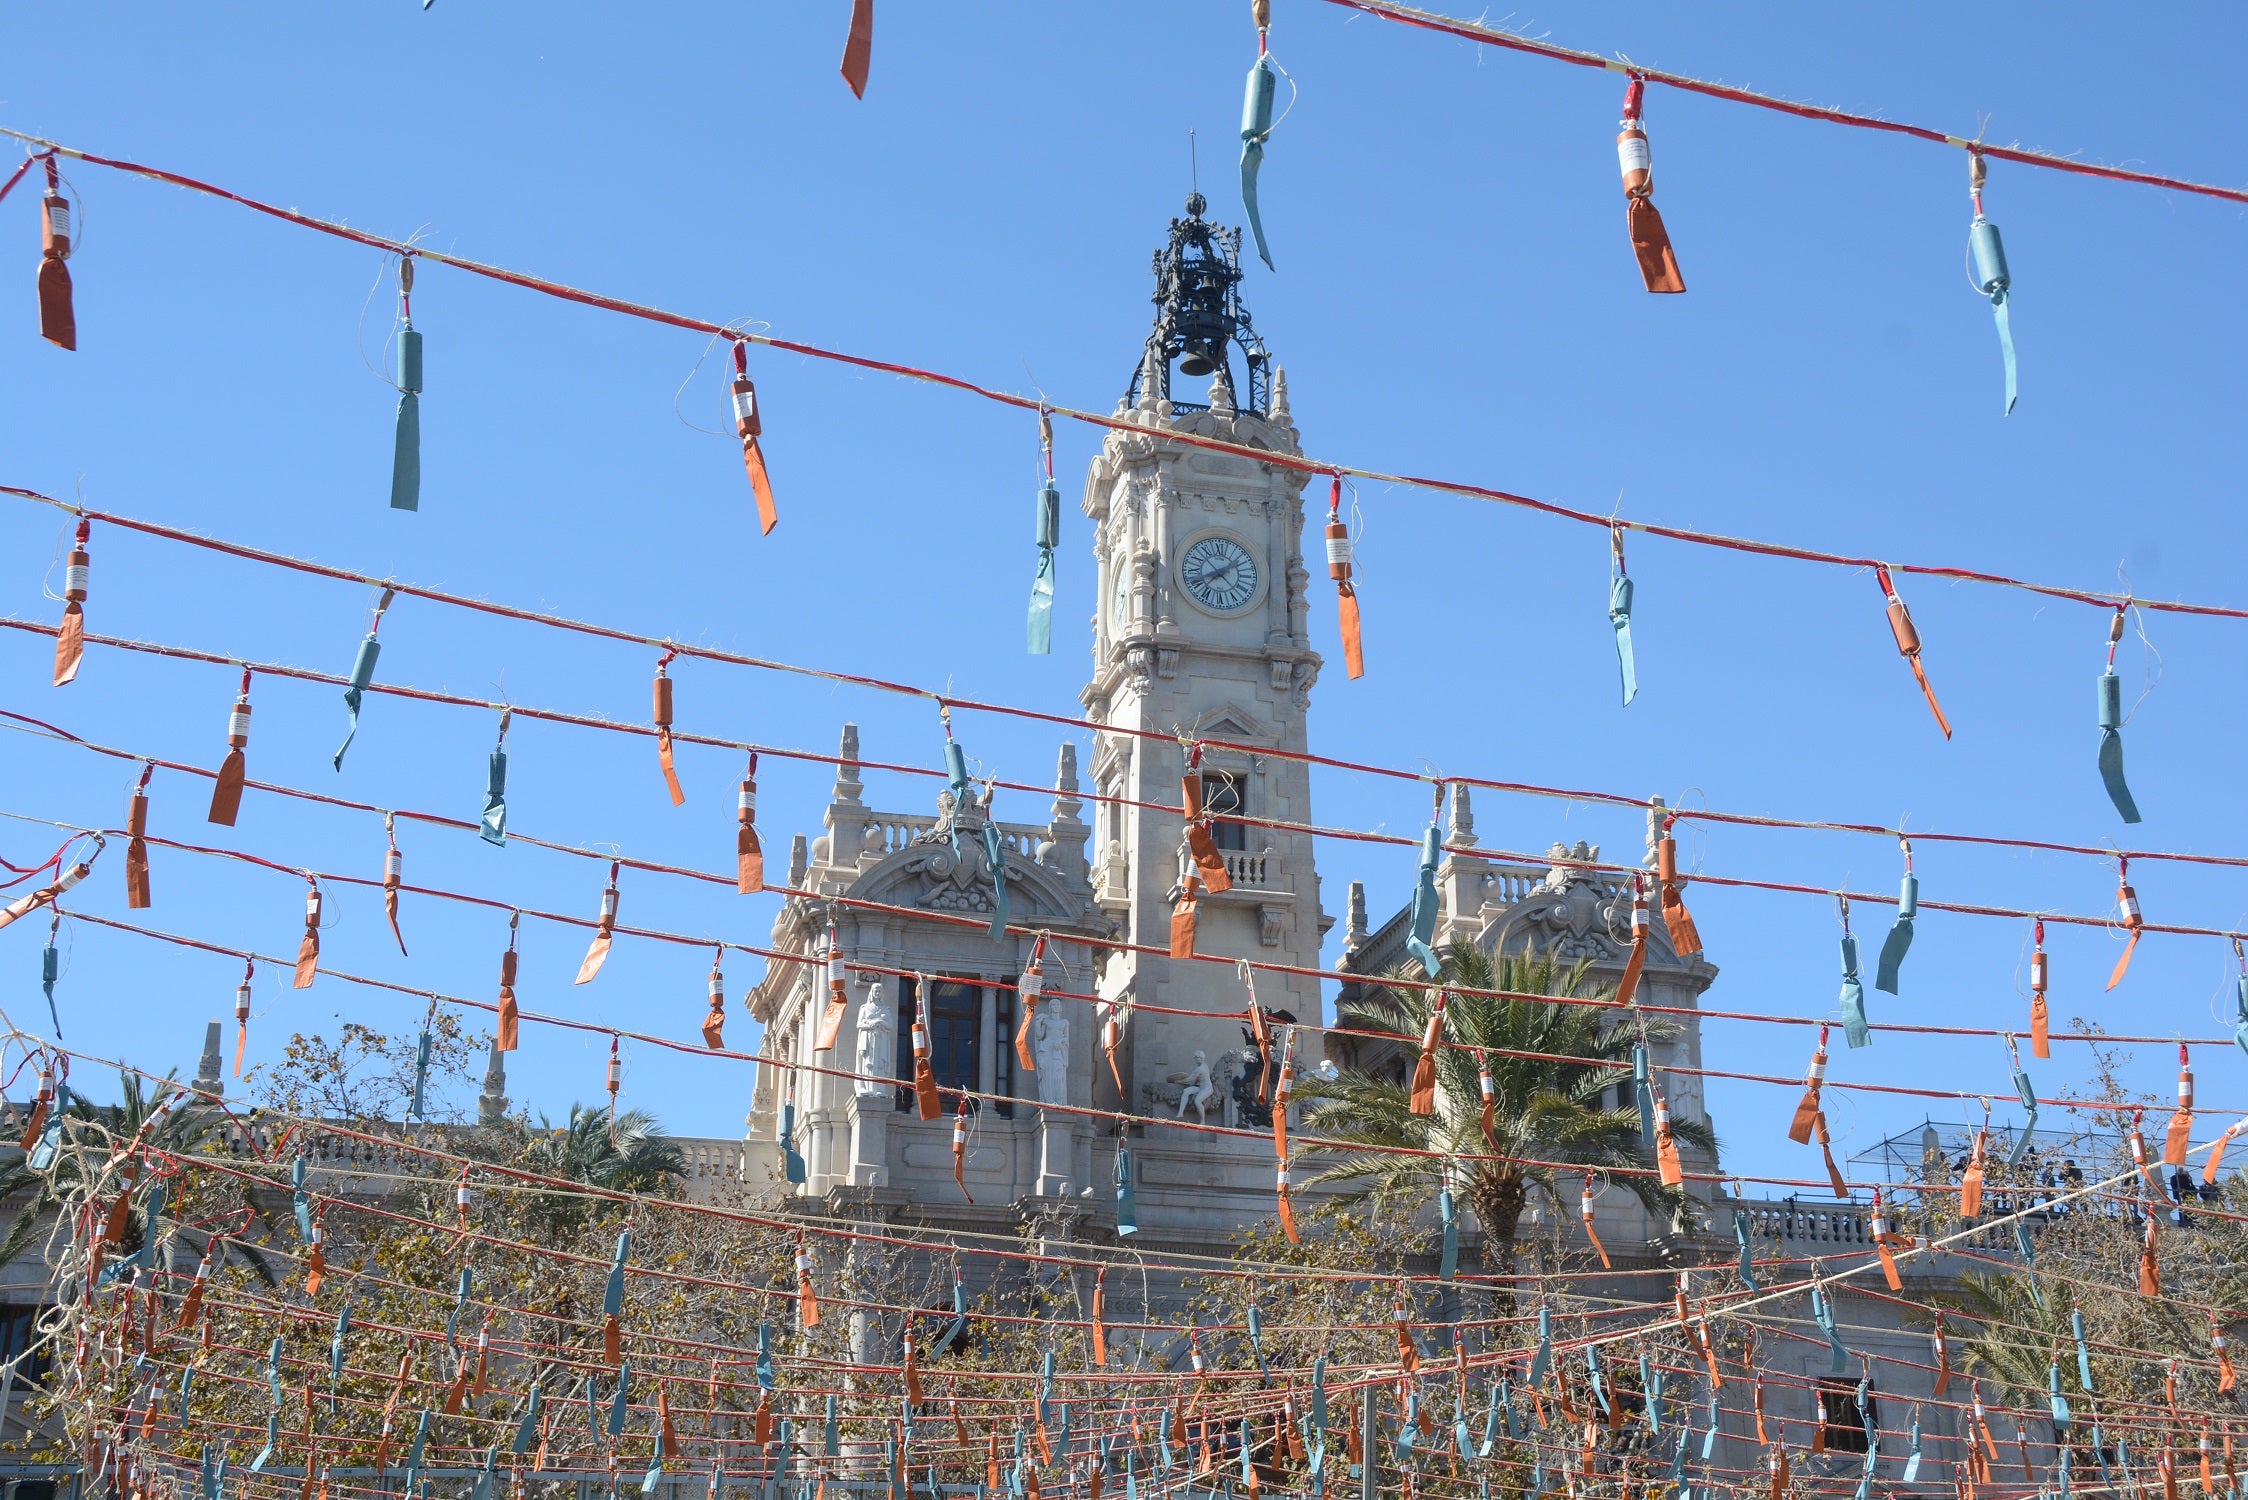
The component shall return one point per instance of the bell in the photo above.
(1197, 361)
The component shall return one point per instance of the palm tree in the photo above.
(1548, 1111)
(635, 1157)
(82, 1166)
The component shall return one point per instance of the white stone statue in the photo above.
(1049, 1046)
(877, 1039)
(1197, 1089)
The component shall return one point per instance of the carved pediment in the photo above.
(1579, 913)
(926, 875)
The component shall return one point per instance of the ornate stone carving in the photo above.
(1573, 911)
(1167, 662)
(1272, 925)
(877, 1043)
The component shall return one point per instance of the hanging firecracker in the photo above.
(858, 47)
(749, 426)
(1987, 252)
(1340, 568)
(1650, 241)
(226, 787)
(1257, 122)
(1046, 527)
(405, 463)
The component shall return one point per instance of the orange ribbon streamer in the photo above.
(929, 1106)
(663, 729)
(749, 854)
(2180, 1134)
(714, 1022)
(831, 1018)
(1346, 592)
(858, 54)
(510, 1018)
(748, 426)
(308, 950)
(136, 845)
(1424, 1069)
(1584, 1209)
(70, 639)
(597, 952)
(2040, 1017)
(1677, 920)
(1650, 241)
(1814, 1082)
(2127, 903)
(58, 321)
(1908, 644)
(1182, 917)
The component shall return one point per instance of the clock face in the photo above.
(1219, 572)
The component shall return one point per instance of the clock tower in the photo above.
(1201, 638)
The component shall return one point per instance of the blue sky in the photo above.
(1455, 296)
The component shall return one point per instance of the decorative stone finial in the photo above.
(491, 1105)
(1221, 395)
(1463, 818)
(1279, 415)
(848, 784)
(207, 1078)
(1151, 380)
(799, 860)
(1354, 933)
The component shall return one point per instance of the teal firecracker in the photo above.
(335, 1355)
(363, 673)
(796, 1171)
(1988, 254)
(1854, 1027)
(1899, 941)
(527, 1430)
(50, 969)
(1643, 1091)
(1046, 528)
(2083, 1350)
(1544, 1356)
(955, 777)
(1619, 615)
(2027, 1093)
(995, 857)
(2240, 996)
(1421, 931)
(1257, 123)
(417, 1107)
(2111, 727)
(1448, 1264)
(492, 826)
(1127, 1209)
(405, 464)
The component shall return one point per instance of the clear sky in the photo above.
(1455, 296)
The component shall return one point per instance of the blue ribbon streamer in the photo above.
(1823, 1311)
(766, 1379)
(612, 1296)
(2111, 747)
(415, 1107)
(1643, 1092)
(1256, 128)
(617, 1403)
(2083, 1352)
(1544, 1356)
(2061, 1414)
(795, 1159)
(362, 673)
(1912, 1453)
(1748, 1258)
(1449, 1262)
(272, 1440)
(1619, 615)
(2005, 346)
(995, 855)
(50, 969)
(1422, 931)
(405, 466)
(492, 826)
(1127, 1210)
(956, 782)
(1898, 943)
(527, 1430)
(1854, 1028)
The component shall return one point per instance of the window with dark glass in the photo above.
(1845, 1420)
(1003, 1054)
(20, 1325)
(1221, 794)
(955, 1017)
